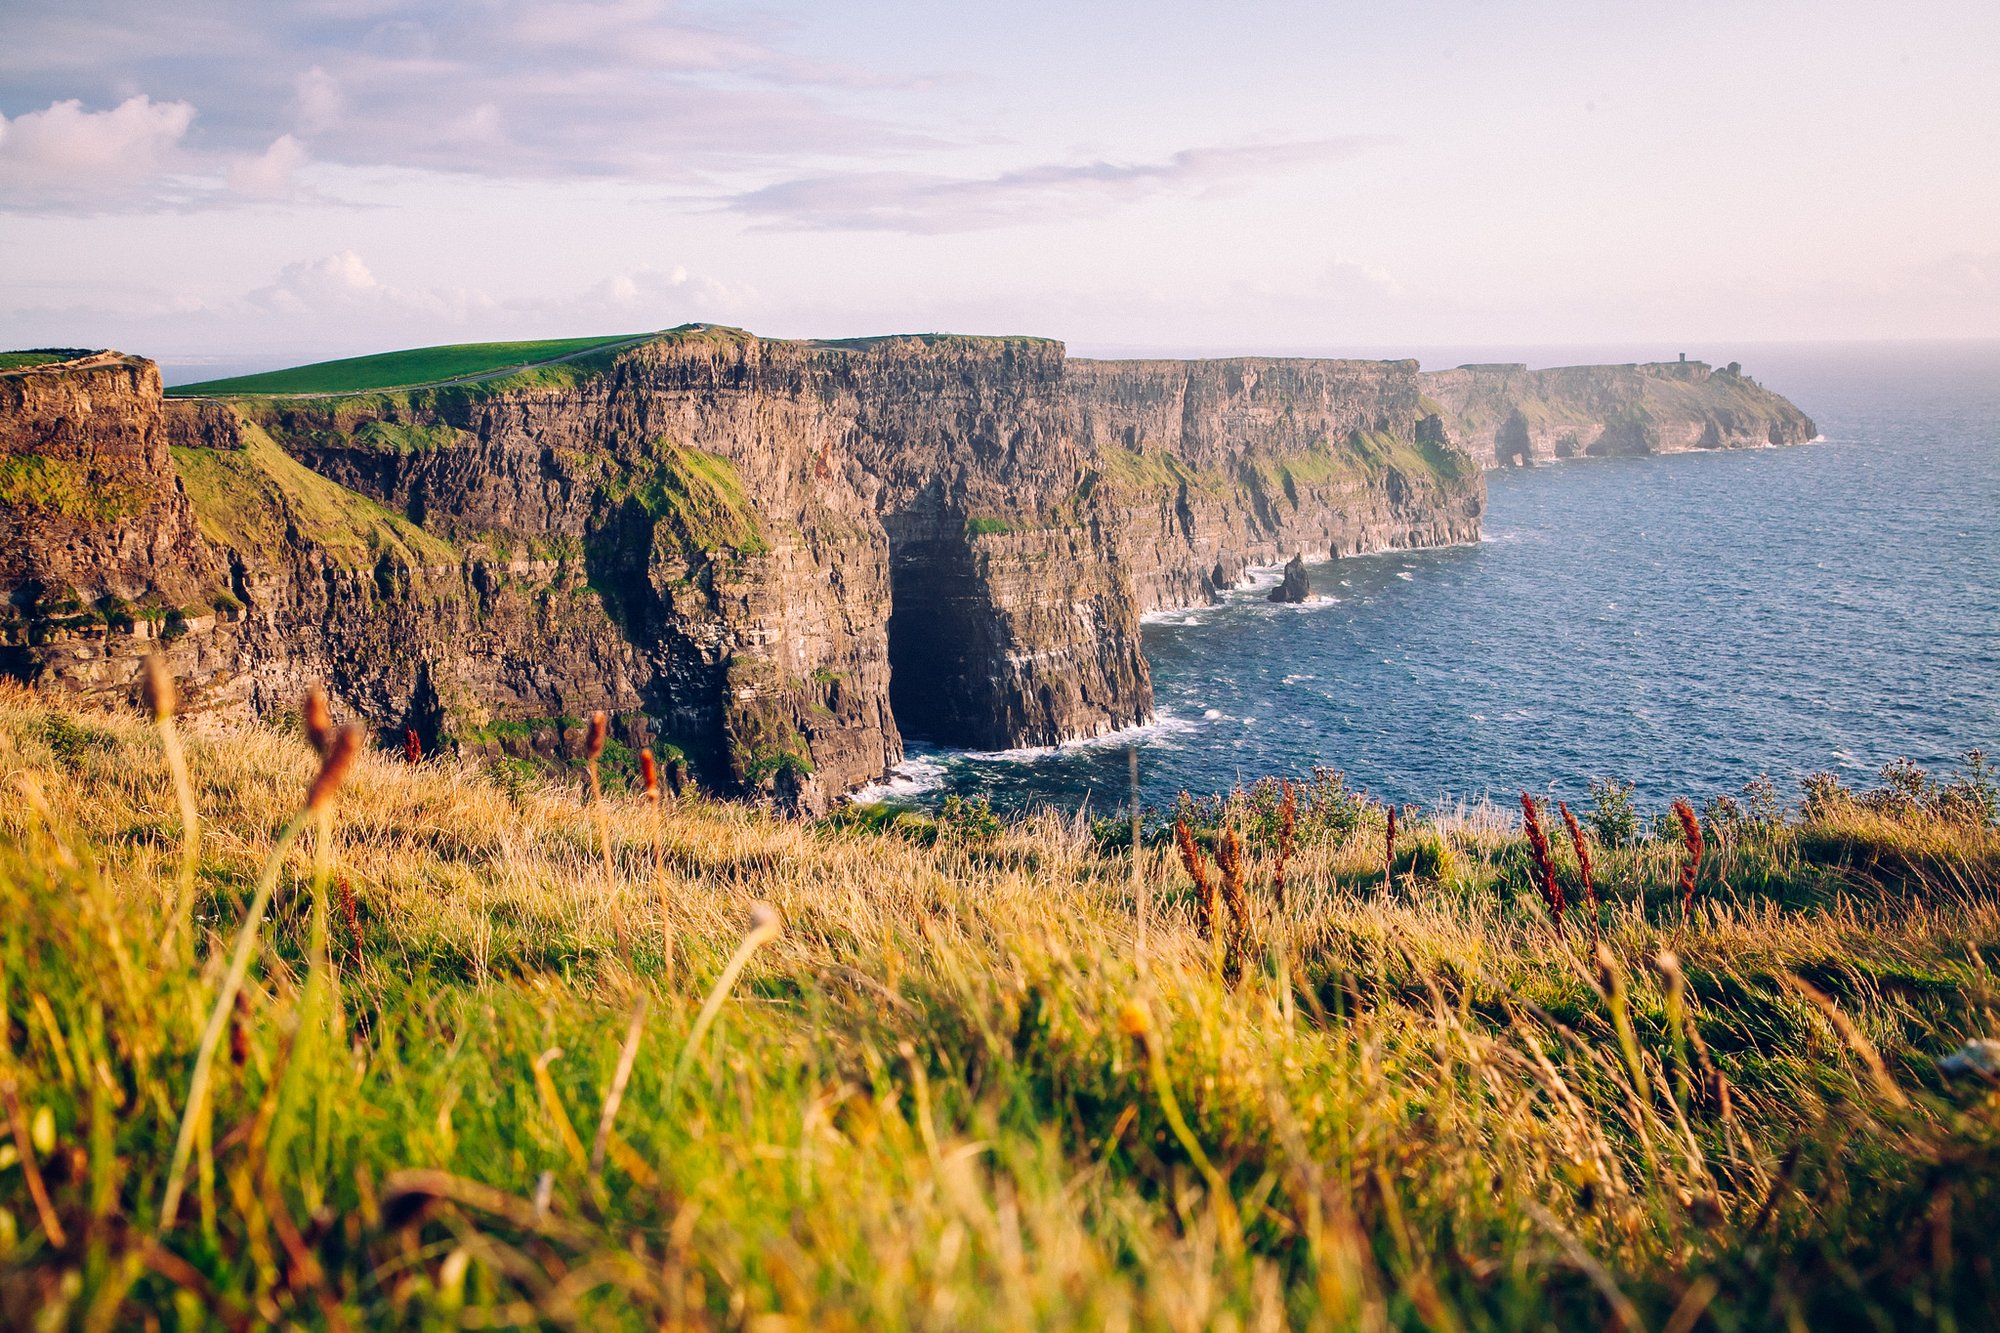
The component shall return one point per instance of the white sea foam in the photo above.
(912, 777)
(1163, 725)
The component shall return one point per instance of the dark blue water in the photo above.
(1685, 623)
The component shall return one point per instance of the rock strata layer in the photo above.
(768, 559)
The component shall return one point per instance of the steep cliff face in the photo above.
(775, 556)
(1508, 415)
(1209, 467)
(95, 527)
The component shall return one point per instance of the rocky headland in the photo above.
(1508, 415)
(768, 559)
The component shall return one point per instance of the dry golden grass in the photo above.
(944, 1094)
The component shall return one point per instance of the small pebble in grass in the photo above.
(1978, 1058)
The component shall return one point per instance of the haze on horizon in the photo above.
(217, 182)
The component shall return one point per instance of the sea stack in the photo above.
(1296, 586)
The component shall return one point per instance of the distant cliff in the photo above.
(1508, 415)
(771, 557)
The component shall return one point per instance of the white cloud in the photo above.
(319, 99)
(1361, 283)
(925, 204)
(270, 175)
(647, 298)
(515, 89)
(342, 286)
(66, 158)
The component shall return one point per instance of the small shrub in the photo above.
(960, 820)
(69, 738)
(1325, 811)
(1823, 796)
(516, 777)
(1906, 790)
(1426, 856)
(1614, 820)
(1973, 794)
(1724, 817)
(1112, 834)
(1761, 806)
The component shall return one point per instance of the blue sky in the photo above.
(235, 181)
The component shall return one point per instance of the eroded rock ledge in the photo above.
(768, 558)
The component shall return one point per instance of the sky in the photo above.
(235, 183)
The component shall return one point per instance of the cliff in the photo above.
(1508, 415)
(95, 526)
(772, 557)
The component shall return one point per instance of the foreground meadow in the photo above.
(500, 1056)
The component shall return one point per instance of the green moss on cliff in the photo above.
(407, 437)
(262, 501)
(55, 487)
(699, 496)
(1137, 470)
(1362, 457)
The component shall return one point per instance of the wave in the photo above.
(1162, 725)
(912, 777)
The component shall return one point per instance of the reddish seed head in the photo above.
(649, 775)
(1204, 889)
(239, 1032)
(1582, 846)
(1538, 842)
(413, 749)
(593, 741)
(340, 752)
(351, 914)
(1691, 839)
(317, 719)
(156, 689)
(1229, 859)
(1288, 816)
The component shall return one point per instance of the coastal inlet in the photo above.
(1683, 622)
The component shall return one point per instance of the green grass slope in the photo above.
(505, 1057)
(402, 370)
(262, 501)
(40, 356)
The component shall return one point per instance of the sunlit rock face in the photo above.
(771, 558)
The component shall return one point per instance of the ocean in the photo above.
(1684, 623)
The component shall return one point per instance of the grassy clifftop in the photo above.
(499, 1059)
(414, 368)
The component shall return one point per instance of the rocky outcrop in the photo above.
(1508, 415)
(774, 557)
(1295, 586)
(95, 527)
